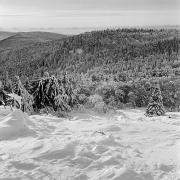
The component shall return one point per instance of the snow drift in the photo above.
(14, 125)
(121, 146)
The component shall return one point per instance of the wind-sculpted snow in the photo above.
(15, 125)
(124, 145)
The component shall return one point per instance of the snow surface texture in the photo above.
(121, 146)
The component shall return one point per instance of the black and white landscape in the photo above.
(89, 90)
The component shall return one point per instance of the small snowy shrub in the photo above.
(100, 107)
(82, 98)
(96, 103)
(93, 99)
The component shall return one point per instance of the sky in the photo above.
(56, 15)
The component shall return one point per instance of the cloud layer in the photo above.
(87, 13)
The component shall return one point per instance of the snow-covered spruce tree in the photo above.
(50, 92)
(27, 99)
(155, 106)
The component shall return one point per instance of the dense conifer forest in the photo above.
(100, 69)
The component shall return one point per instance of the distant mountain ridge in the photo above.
(10, 40)
(4, 34)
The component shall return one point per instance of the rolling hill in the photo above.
(22, 39)
(4, 34)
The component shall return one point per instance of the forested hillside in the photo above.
(114, 67)
(134, 52)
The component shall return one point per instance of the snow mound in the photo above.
(15, 125)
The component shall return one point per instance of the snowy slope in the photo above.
(120, 146)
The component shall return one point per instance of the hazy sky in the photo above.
(56, 14)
